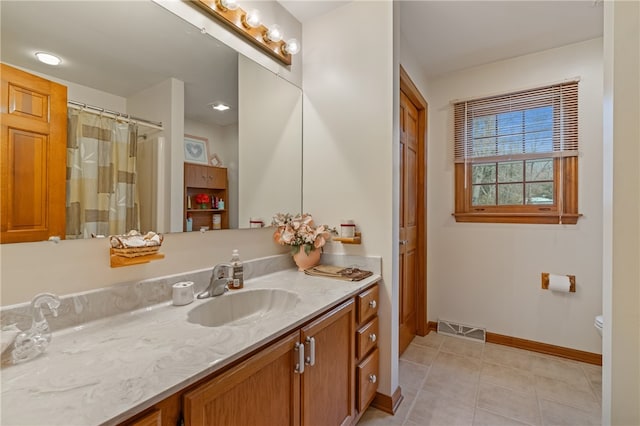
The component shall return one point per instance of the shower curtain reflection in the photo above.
(102, 197)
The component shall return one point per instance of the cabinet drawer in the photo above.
(367, 377)
(367, 338)
(368, 304)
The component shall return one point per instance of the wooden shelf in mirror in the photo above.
(200, 179)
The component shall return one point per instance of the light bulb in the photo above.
(48, 58)
(274, 33)
(291, 47)
(229, 4)
(251, 19)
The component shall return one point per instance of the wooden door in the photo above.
(33, 157)
(409, 187)
(328, 385)
(264, 390)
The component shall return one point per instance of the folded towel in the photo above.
(134, 240)
(338, 272)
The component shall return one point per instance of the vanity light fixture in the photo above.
(291, 46)
(251, 19)
(274, 33)
(219, 106)
(248, 25)
(48, 58)
(227, 4)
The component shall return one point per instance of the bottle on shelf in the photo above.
(189, 223)
(220, 204)
(238, 271)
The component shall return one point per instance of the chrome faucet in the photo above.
(218, 282)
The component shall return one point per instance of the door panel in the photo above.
(408, 219)
(33, 157)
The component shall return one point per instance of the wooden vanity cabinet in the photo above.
(201, 179)
(268, 388)
(366, 337)
(264, 390)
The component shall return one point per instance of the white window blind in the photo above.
(536, 123)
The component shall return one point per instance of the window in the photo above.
(516, 157)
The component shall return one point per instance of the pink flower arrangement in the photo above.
(300, 230)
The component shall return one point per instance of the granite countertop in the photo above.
(108, 370)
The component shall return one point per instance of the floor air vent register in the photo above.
(460, 330)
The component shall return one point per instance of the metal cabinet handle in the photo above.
(311, 359)
(373, 337)
(404, 242)
(300, 365)
(373, 378)
(373, 304)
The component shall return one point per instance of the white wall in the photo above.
(488, 275)
(270, 149)
(621, 275)
(80, 265)
(164, 102)
(348, 142)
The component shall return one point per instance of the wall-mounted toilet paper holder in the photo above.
(546, 280)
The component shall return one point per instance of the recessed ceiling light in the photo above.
(220, 107)
(48, 58)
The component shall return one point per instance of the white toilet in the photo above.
(598, 324)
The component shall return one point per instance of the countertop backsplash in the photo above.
(80, 308)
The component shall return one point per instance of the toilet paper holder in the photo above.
(572, 282)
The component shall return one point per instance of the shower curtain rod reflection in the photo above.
(117, 115)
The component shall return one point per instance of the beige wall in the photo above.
(348, 142)
(488, 275)
(269, 149)
(621, 343)
(81, 265)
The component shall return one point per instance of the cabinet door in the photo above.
(195, 176)
(216, 177)
(328, 384)
(263, 390)
(33, 157)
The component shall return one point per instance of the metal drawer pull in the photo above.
(300, 365)
(373, 304)
(373, 337)
(373, 378)
(404, 242)
(311, 359)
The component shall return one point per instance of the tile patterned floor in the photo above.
(447, 381)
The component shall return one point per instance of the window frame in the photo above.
(564, 210)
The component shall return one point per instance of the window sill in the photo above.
(532, 218)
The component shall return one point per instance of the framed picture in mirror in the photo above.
(195, 150)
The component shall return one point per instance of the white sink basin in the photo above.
(243, 307)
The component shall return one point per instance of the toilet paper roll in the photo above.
(183, 293)
(559, 283)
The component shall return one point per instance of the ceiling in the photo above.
(452, 35)
(123, 47)
(148, 44)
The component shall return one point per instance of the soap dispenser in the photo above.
(238, 271)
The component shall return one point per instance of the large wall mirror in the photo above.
(140, 59)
